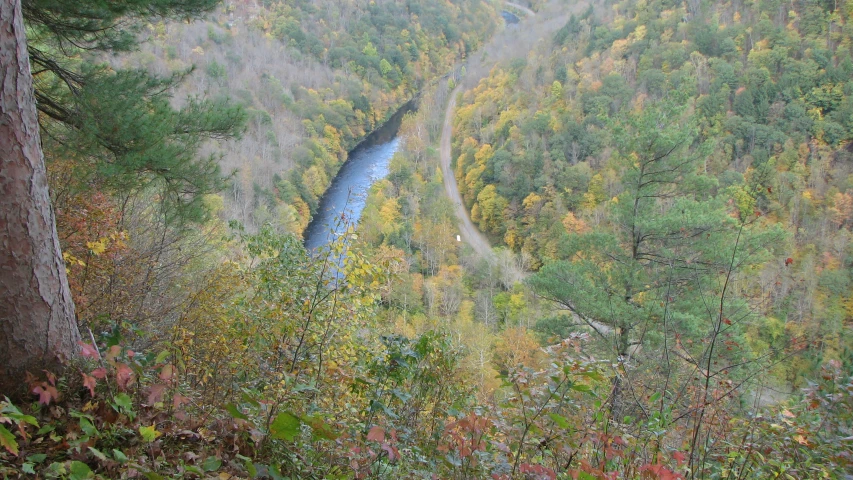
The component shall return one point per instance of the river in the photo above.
(346, 196)
(344, 200)
(510, 18)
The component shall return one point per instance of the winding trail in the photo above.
(495, 51)
(472, 236)
(524, 9)
(469, 232)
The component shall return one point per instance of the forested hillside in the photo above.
(315, 78)
(667, 187)
(751, 104)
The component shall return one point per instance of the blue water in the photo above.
(509, 17)
(343, 202)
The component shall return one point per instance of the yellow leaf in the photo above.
(149, 434)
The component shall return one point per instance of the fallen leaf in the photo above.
(179, 400)
(88, 350)
(149, 434)
(46, 393)
(89, 382)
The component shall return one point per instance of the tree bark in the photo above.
(38, 328)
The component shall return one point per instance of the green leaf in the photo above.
(319, 428)
(97, 453)
(655, 397)
(37, 457)
(7, 440)
(285, 426)
(162, 356)
(45, 429)
(194, 469)
(20, 417)
(235, 412)
(579, 387)
(28, 468)
(87, 427)
(56, 469)
(149, 433)
(123, 401)
(119, 456)
(80, 471)
(250, 467)
(560, 420)
(275, 472)
(211, 463)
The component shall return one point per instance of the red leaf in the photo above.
(179, 400)
(392, 452)
(46, 393)
(124, 375)
(679, 457)
(89, 350)
(155, 393)
(789, 261)
(538, 470)
(727, 321)
(167, 372)
(99, 373)
(113, 353)
(89, 382)
(376, 434)
(661, 472)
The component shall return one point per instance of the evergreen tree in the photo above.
(120, 125)
(37, 324)
(651, 270)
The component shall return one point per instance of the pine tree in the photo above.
(646, 272)
(37, 323)
(120, 124)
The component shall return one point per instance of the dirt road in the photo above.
(469, 232)
(507, 44)
(526, 10)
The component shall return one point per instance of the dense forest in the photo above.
(666, 185)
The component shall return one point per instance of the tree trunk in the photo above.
(38, 328)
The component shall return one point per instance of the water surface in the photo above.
(343, 202)
(509, 17)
